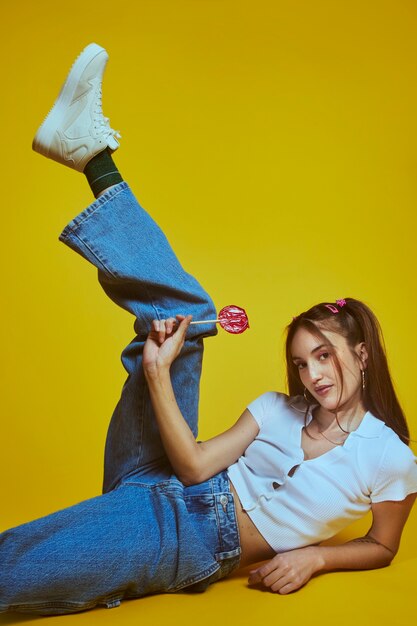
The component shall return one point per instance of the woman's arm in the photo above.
(193, 462)
(289, 571)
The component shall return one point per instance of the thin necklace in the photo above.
(335, 443)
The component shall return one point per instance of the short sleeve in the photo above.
(265, 406)
(397, 474)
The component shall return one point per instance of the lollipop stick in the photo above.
(205, 322)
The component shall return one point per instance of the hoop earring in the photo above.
(363, 380)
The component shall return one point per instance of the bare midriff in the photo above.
(253, 545)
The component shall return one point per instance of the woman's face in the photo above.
(318, 371)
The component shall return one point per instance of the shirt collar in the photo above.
(369, 428)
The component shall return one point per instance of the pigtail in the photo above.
(379, 394)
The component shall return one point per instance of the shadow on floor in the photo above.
(16, 618)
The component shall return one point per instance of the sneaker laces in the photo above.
(102, 126)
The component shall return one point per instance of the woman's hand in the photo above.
(164, 343)
(288, 571)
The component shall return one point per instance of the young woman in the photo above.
(176, 514)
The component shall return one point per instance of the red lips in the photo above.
(321, 387)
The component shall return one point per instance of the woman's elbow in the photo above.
(387, 555)
(189, 480)
(191, 476)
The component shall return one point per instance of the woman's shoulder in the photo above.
(277, 405)
(383, 435)
(387, 461)
(398, 454)
(377, 440)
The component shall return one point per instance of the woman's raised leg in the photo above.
(139, 271)
(136, 266)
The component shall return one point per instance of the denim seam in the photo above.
(196, 579)
(219, 533)
(158, 312)
(40, 605)
(112, 601)
(151, 486)
(237, 527)
(84, 243)
(100, 202)
(142, 422)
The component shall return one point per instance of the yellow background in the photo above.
(275, 142)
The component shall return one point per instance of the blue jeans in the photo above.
(147, 533)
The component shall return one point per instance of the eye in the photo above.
(299, 365)
(324, 355)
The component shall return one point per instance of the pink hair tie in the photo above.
(333, 308)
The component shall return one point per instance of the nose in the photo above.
(314, 372)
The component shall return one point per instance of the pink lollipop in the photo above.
(232, 318)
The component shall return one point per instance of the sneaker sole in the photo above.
(42, 140)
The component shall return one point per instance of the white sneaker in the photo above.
(75, 129)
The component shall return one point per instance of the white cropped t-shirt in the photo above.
(324, 494)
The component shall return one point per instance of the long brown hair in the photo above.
(355, 321)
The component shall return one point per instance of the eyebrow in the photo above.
(322, 345)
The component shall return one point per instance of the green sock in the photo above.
(101, 172)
